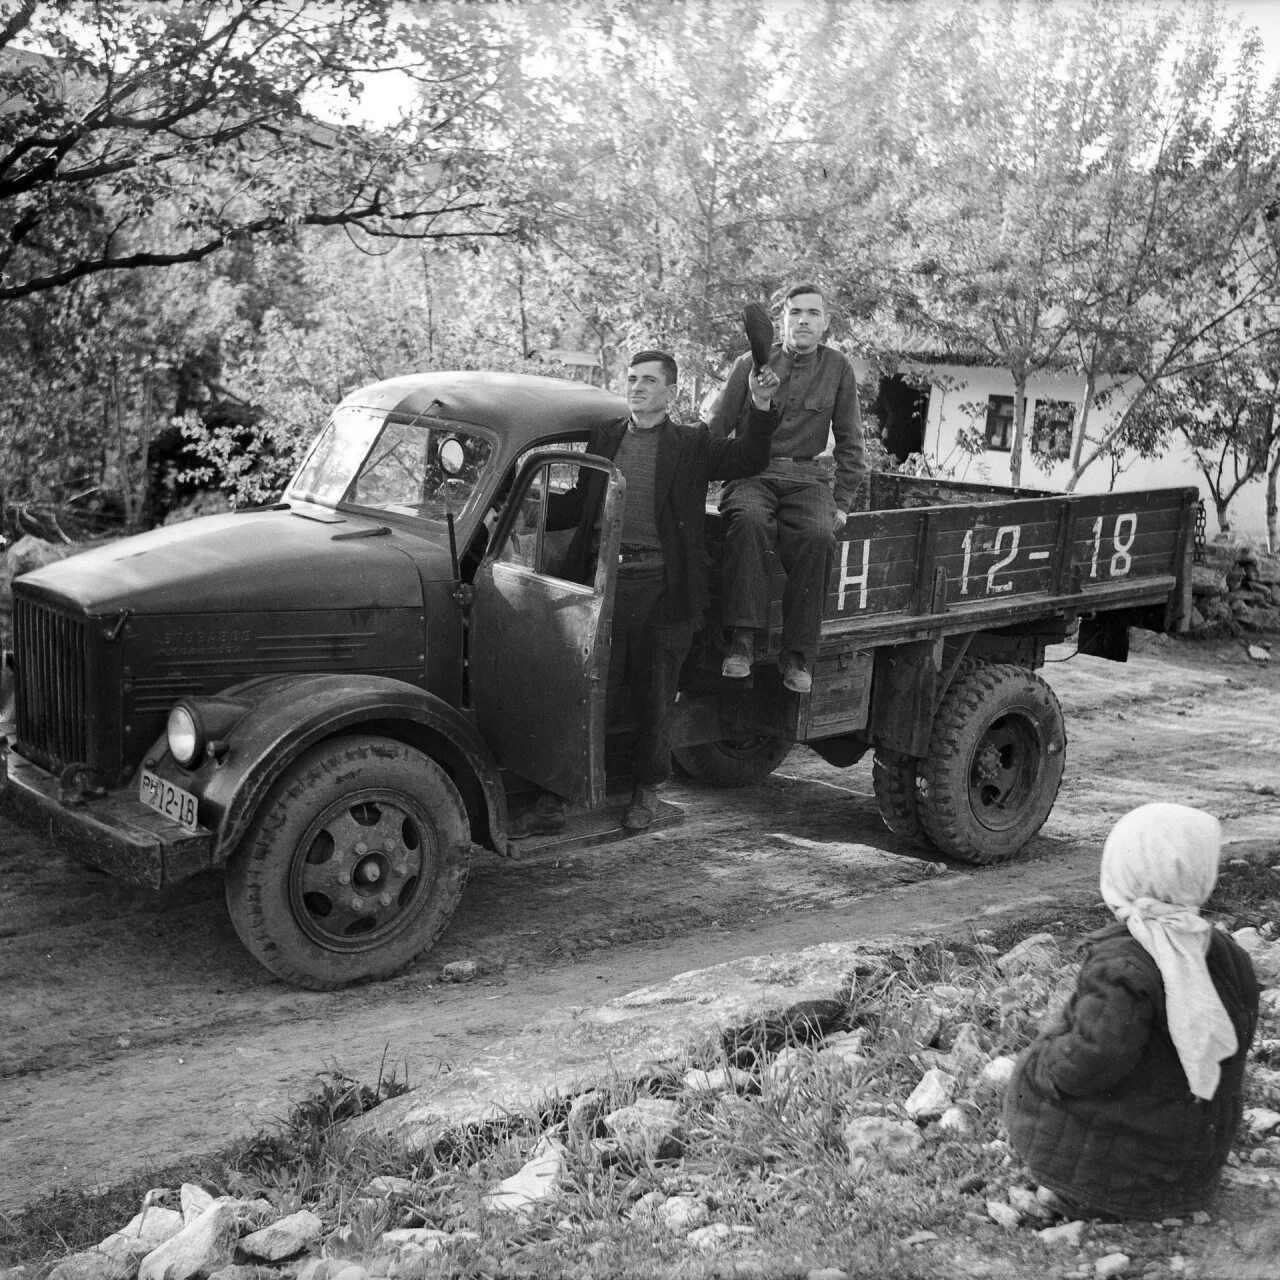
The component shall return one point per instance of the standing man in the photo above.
(662, 587)
(791, 506)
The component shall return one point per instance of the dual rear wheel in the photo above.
(992, 771)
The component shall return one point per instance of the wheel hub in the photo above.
(1004, 770)
(359, 871)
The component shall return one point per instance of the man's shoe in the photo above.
(544, 818)
(742, 648)
(795, 675)
(638, 815)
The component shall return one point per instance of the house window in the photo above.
(1000, 423)
(1051, 429)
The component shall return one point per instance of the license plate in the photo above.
(164, 797)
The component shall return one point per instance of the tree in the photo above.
(1063, 188)
(145, 134)
(1181, 273)
(1226, 408)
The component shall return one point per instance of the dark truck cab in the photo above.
(334, 698)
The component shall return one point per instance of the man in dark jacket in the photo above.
(791, 506)
(662, 582)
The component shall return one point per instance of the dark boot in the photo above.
(638, 815)
(737, 662)
(795, 675)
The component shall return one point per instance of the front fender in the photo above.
(288, 714)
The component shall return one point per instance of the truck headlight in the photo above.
(185, 734)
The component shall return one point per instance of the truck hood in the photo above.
(273, 560)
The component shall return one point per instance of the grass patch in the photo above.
(766, 1164)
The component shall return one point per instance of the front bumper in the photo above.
(116, 832)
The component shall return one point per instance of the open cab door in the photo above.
(539, 643)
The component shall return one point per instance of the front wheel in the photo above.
(994, 764)
(353, 865)
(733, 762)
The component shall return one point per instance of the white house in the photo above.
(976, 403)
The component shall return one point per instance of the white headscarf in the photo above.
(1158, 865)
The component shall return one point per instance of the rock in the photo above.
(1269, 1002)
(391, 1188)
(1259, 654)
(1266, 1081)
(194, 1200)
(1266, 569)
(931, 1097)
(955, 1121)
(1029, 1205)
(239, 1271)
(422, 1239)
(1065, 1233)
(920, 1237)
(318, 1268)
(995, 1076)
(711, 1237)
(585, 1113)
(346, 1271)
(1113, 1264)
(459, 971)
(143, 1232)
(282, 1239)
(1263, 618)
(535, 1181)
(204, 1245)
(926, 1022)
(966, 1054)
(1266, 963)
(94, 1265)
(1003, 1215)
(1261, 1121)
(785, 1063)
(720, 1080)
(648, 1205)
(683, 1213)
(877, 1137)
(826, 1273)
(843, 1050)
(647, 1130)
(1039, 951)
(1206, 581)
(30, 553)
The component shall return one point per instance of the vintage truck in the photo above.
(336, 697)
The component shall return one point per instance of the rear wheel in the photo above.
(733, 762)
(353, 865)
(994, 765)
(894, 778)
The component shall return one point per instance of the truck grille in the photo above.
(51, 669)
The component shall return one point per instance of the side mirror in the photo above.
(452, 456)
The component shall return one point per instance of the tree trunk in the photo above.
(1019, 428)
(1271, 504)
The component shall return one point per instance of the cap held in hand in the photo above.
(759, 326)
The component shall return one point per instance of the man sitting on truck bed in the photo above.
(791, 505)
(662, 588)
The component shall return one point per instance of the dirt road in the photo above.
(134, 1030)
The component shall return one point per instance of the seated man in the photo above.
(661, 588)
(790, 507)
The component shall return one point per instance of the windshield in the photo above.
(421, 468)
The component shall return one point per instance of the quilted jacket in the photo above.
(1099, 1106)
